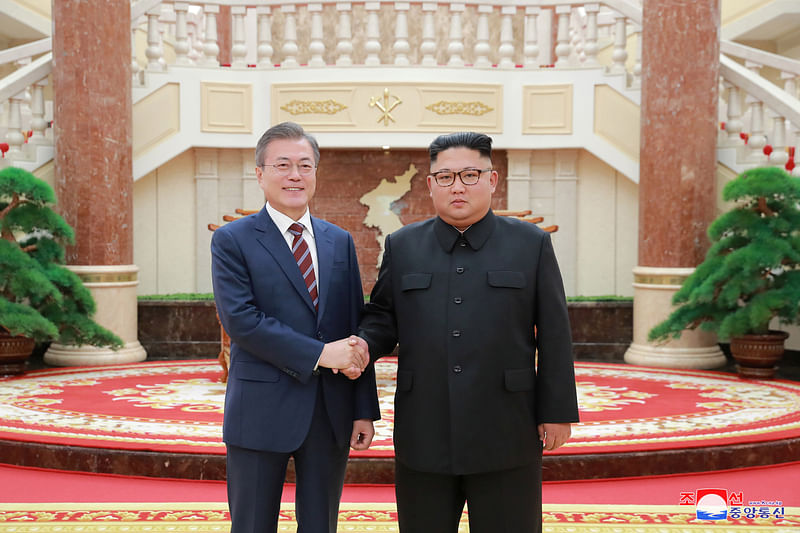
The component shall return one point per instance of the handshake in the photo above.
(349, 356)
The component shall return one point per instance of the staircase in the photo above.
(592, 48)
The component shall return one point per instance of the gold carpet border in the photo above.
(214, 447)
(358, 518)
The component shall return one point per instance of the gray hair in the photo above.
(284, 130)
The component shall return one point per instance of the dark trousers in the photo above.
(255, 482)
(507, 501)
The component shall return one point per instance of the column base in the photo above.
(653, 288)
(698, 357)
(113, 288)
(67, 355)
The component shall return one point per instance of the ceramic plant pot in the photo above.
(14, 353)
(756, 355)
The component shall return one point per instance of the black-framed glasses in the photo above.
(284, 168)
(468, 176)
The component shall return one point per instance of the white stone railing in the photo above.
(25, 109)
(496, 35)
(764, 100)
(492, 35)
(479, 34)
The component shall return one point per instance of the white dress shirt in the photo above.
(283, 222)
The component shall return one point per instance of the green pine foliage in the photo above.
(751, 273)
(41, 298)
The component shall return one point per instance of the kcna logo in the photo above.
(711, 504)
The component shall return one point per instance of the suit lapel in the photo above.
(271, 239)
(324, 243)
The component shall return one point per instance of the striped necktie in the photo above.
(303, 257)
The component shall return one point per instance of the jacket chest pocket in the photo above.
(508, 279)
(415, 281)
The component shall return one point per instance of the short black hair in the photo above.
(468, 139)
(284, 130)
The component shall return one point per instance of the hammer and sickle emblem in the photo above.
(386, 106)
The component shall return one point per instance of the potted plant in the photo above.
(42, 300)
(750, 275)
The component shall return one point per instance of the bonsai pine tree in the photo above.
(41, 298)
(751, 273)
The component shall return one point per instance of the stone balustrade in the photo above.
(496, 36)
(764, 103)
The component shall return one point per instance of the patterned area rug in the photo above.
(363, 518)
(177, 407)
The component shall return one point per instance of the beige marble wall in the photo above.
(164, 228)
(733, 10)
(595, 207)
(146, 231)
(607, 229)
(40, 7)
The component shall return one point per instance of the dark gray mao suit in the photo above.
(469, 312)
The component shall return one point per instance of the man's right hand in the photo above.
(349, 355)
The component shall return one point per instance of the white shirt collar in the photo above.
(283, 221)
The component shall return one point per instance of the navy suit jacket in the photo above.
(277, 337)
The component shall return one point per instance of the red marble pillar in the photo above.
(224, 37)
(680, 80)
(678, 158)
(92, 128)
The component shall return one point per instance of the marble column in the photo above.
(565, 216)
(677, 196)
(207, 211)
(93, 166)
(224, 37)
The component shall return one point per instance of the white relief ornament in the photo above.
(597, 398)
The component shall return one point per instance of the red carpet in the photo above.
(177, 407)
(21, 485)
(39, 501)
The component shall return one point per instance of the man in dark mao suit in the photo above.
(284, 294)
(470, 297)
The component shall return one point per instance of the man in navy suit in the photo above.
(287, 286)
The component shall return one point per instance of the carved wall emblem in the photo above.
(386, 105)
(443, 107)
(301, 107)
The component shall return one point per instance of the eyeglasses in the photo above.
(469, 176)
(284, 168)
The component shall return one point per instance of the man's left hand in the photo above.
(363, 432)
(554, 435)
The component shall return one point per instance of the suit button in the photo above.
(456, 333)
(459, 270)
(457, 300)
(457, 369)
(319, 335)
(462, 244)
